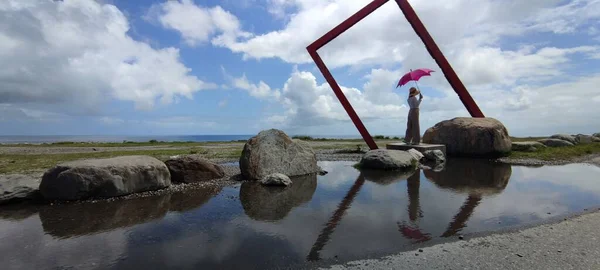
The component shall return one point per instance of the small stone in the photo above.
(519, 255)
(420, 250)
(416, 254)
(559, 251)
(549, 213)
(461, 237)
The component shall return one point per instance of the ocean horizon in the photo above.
(40, 139)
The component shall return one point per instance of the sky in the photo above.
(192, 67)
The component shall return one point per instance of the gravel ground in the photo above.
(571, 244)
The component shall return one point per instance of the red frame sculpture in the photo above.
(421, 31)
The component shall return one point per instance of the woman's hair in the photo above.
(413, 92)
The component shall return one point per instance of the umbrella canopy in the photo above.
(414, 75)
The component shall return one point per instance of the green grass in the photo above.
(526, 139)
(19, 163)
(559, 153)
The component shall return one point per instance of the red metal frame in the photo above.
(428, 41)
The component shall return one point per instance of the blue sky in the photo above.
(115, 67)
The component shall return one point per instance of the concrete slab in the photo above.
(421, 147)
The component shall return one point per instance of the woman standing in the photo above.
(413, 130)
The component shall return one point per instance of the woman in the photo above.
(413, 130)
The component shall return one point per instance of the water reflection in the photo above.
(270, 203)
(472, 176)
(68, 220)
(345, 215)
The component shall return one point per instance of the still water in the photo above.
(341, 216)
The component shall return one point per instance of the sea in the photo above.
(116, 138)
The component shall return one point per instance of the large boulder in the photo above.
(272, 151)
(595, 139)
(193, 168)
(107, 177)
(564, 137)
(474, 137)
(555, 142)
(18, 187)
(529, 146)
(384, 159)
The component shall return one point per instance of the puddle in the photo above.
(339, 216)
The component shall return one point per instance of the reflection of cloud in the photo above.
(338, 177)
(25, 246)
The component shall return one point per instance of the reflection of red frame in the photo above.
(421, 31)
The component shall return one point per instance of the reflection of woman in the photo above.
(413, 130)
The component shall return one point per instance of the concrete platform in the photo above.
(421, 147)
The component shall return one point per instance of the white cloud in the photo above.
(386, 37)
(80, 52)
(198, 24)
(260, 90)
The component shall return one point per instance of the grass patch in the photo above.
(559, 153)
(20, 163)
(108, 144)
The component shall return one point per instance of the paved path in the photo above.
(571, 244)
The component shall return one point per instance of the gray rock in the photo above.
(383, 159)
(597, 135)
(18, 187)
(434, 155)
(530, 146)
(276, 179)
(564, 137)
(101, 178)
(583, 139)
(472, 137)
(416, 154)
(272, 151)
(555, 142)
(193, 168)
(595, 139)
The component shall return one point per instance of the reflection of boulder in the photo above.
(386, 177)
(77, 219)
(18, 211)
(192, 198)
(68, 220)
(473, 176)
(270, 203)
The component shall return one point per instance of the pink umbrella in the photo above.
(414, 75)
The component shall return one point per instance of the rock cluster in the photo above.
(562, 140)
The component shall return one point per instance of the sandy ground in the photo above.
(571, 244)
